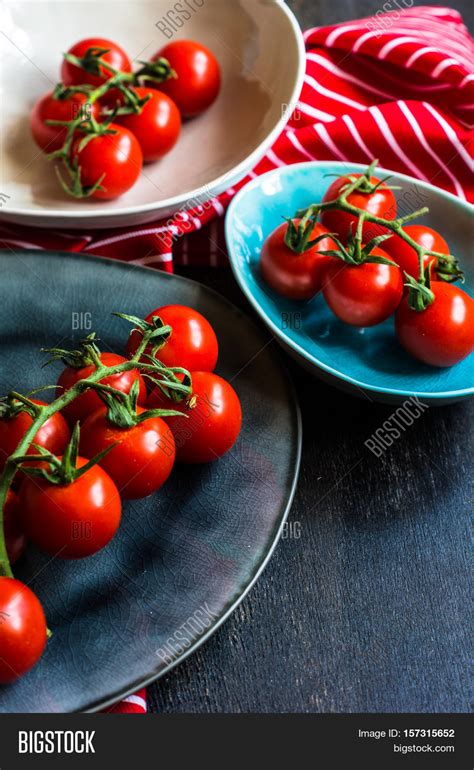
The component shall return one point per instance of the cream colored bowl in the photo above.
(261, 52)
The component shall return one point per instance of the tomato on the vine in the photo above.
(15, 538)
(114, 157)
(405, 255)
(291, 274)
(157, 127)
(90, 402)
(365, 294)
(74, 520)
(143, 457)
(214, 418)
(51, 138)
(192, 344)
(22, 629)
(380, 203)
(198, 78)
(443, 333)
(53, 435)
(71, 75)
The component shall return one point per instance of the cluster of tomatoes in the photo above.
(122, 119)
(67, 498)
(365, 282)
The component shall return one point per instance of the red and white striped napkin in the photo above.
(396, 86)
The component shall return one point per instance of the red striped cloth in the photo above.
(395, 86)
(133, 704)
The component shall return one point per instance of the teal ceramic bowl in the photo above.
(365, 362)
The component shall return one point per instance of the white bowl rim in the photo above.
(178, 202)
(347, 167)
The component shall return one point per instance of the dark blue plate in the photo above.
(183, 558)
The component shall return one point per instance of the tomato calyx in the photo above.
(297, 237)
(59, 470)
(122, 407)
(156, 330)
(92, 62)
(158, 71)
(88, 354)
(15, 403)
(420, 295)
(172, 386)
(364, 181)
(357, 254)
(447, 268)
(132, 103)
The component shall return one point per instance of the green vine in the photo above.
(420, 295)
(157, 71)
(152, 333)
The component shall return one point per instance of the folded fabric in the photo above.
(395, 86)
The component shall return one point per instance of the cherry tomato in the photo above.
(115, 57)
(192, 344)
(443, 334)
(297, 276)
(143, 458)
(14, 536)
(53, 435)
(157, 127)
(365, 294)
(117, 157)
(89, 401)
(406, 257)
(22, 629)
(380, 203)
(50, 138)
(214, 419)
(74, 520)
(198, 76)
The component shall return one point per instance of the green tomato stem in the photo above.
(395, 225)
(45, 412)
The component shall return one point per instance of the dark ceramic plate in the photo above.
(184, 558)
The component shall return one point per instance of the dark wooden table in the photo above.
(363, 605)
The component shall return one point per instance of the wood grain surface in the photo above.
(363, 607)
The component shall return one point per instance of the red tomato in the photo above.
(214, 419)
(157, 127)
(365, 294)
(443, 334)
(406, 257)
(297, 276)
(50, 138)
(116, 157)
(143, 458)
(116, 58)
(14, 536)
(22, 629)
(90, 402)
(198, 76)
(192, 344)
(380, 203)
(53, 435)
(74, 520)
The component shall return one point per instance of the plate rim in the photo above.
(105, 703)
(279, 333)
(178, 202)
